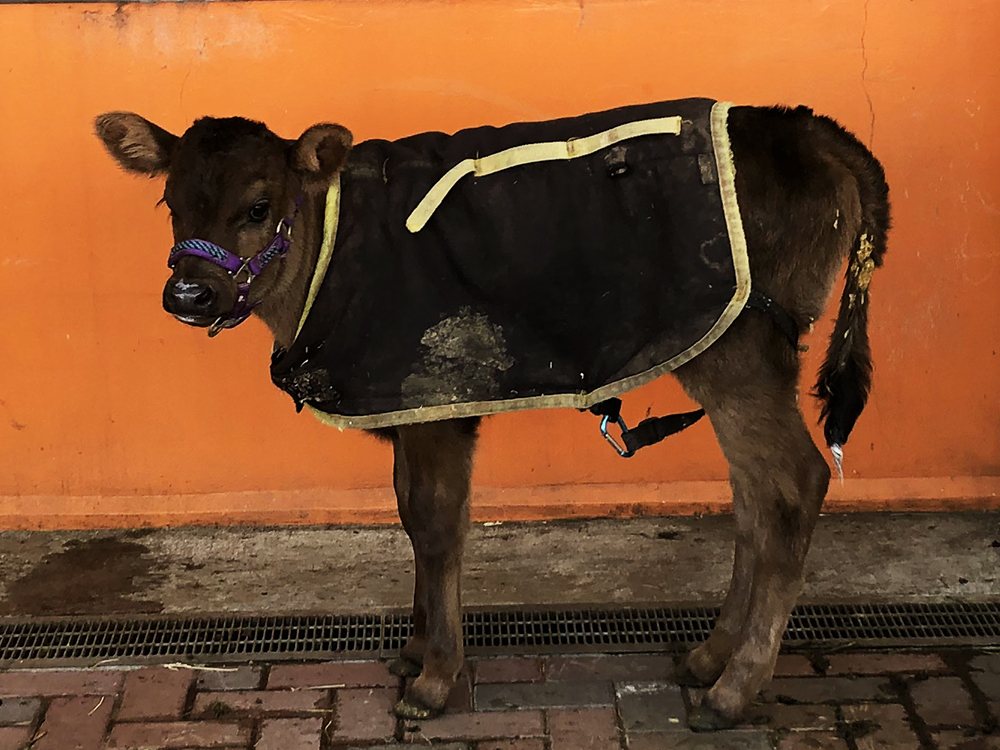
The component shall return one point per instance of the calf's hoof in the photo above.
(684, 677)
(706, 719)
(405, 668)
(406, 709)
(424, 698)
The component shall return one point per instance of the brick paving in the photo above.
(889, 700)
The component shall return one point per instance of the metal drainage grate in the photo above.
(904, 624)
(217, 639)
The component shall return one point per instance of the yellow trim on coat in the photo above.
(331, 219)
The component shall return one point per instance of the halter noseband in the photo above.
(234, 265)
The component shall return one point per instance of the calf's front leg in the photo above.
(431, 475)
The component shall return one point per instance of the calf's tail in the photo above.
(846, 375)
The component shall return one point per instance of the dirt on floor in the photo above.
(854, 557)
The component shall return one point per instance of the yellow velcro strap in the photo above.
(533, 153)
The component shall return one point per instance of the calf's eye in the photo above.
(259, 211)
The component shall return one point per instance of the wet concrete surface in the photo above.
(87, 577)
(854, 557)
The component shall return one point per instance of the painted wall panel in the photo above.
(112, 413)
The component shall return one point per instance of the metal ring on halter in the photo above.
(217, 327)
(242, 268)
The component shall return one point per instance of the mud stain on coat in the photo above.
(464, 354)
(93, 577)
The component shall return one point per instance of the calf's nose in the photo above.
(184, 297)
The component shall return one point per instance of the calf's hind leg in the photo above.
(432, 471)
(747, 384)
(704, 665)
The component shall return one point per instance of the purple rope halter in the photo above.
(234, 265)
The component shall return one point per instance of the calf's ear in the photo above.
(135, 143)
(320, 153)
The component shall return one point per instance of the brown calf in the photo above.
(811, 196)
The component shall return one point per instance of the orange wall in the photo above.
(111, 413)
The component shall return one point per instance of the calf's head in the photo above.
(233, 189)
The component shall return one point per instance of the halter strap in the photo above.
(234, 265)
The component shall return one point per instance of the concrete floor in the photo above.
(886, 557)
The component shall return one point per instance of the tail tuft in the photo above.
(846, 375)
(838, 459)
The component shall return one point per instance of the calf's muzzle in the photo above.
(196, 301)
(207, 301)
